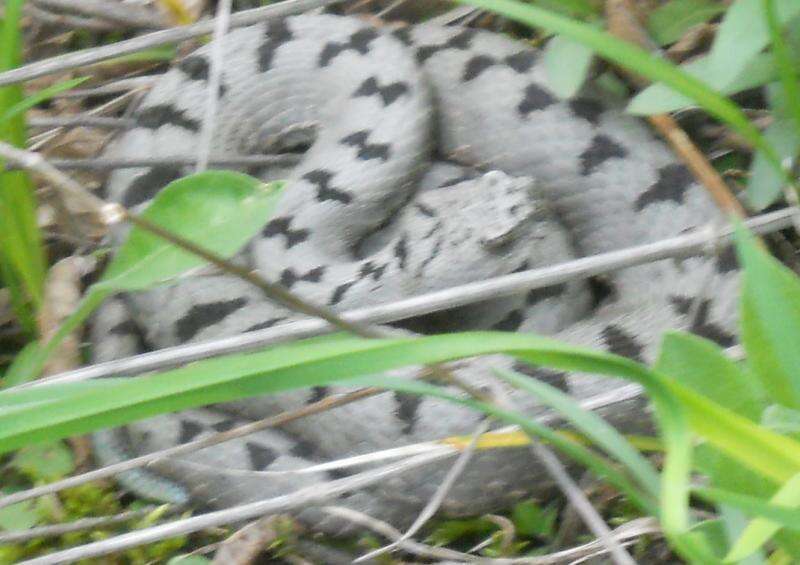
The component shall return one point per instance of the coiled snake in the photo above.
(436, 156)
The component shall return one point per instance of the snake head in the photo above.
(510, 207)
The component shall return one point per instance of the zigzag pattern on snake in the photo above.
(436, 156)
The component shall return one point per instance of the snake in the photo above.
(429, 156)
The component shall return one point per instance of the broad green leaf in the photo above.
(781, 419)
(670, 21)
(531, 519)
(44, 462)
(23, 366)
(765, 183)
(38, 97)
(702, 366)
(760, 530)
(20, 516)
(725, 472)
(784, 61)
(742, 35)
(592, 426)
(218, 210)
(659, 98)
(770, 321)
(567, 63)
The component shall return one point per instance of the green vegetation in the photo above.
(732, 427)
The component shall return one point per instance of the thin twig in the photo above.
(221, 23)
(38, 164)
(438, 497)
(581, 504)
(115, 87)
(173, 35)
(81, 121)
(108, 163)
(603, 400)
(126, 14)
(68, 21)
(301, 498)
(111, 213)
(391, 533)
(273, 291)
(326, 403)
(686, 245)
(20, 536)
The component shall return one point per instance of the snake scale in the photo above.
(434, 156)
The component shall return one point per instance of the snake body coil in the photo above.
(436, 156)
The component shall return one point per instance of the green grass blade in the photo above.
(703, 367)
(783, 61)
(639, 61)
(602, 467)
(21, 251)
(770, 321)
(761, 530)
(592, 426)
(742, 35)
(38, 97)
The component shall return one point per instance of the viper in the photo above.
(431, 157)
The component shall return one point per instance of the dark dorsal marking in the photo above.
(165, 114)
(125, 328)
(322, 179)
(672, 184)
(536, 98)
(317, 394)
(359, 42)
(622, 343)
(603, 290)
(520, 62)
(476, 65)
(302, 449)
(388, 93)
(147, 185)
(189, 430)
(224, 425)
(369, 269)
(195, 67)
(727, 261)
(510, 323)
(536, 295)
(283, 226)
(401, 251)
(277, 33)
(366, 150)
(437, 248)
(557, 379)
(425, 210)
(404, 35)
(460, 41)
(701, 325)
(339, 292)
(201, 316)
(289, 278)
(264, 325)
(588, 109)
(407, 406)
(260, 456)
(601, 150)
